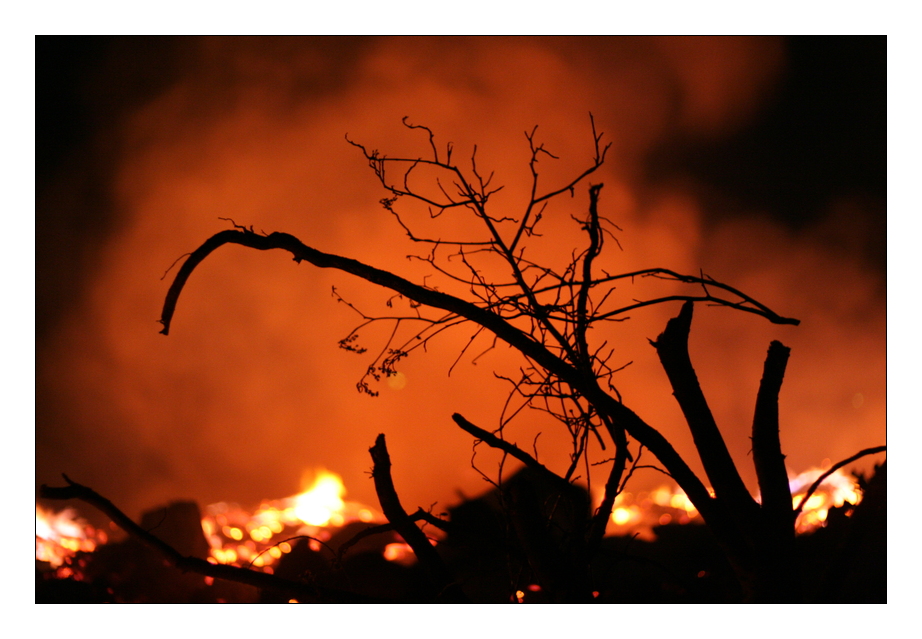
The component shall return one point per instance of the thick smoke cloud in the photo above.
(250, 389)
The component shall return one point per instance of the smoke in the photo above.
(250, 388)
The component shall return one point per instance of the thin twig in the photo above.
(815, 485)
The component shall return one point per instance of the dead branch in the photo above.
(766, 444)
(613, 487)
(507, 447)
(672, 348)
(419, 515)
(447, 590)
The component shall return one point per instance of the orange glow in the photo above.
(61, 535)
(398, 381)
(250, 387)
(640, 512)
(400, 553)
(623, 516)
(837, 490)
(322, 501)
(237, 536)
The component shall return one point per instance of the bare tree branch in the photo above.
(672, 348)
(447, 590)
(766, 443)
(621, 415)
(503, 445)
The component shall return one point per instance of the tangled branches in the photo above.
(547, 313)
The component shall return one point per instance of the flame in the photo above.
(322, 502)
(400, 553)
(60, 536)
(639, 513)
(837, 490)
(259, 539)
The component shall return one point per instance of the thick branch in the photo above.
(766, 444)
(293, 589)
(672, 348)
(448, 591)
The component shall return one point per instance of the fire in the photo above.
(235, 535)
(259, 539)
(837, 490)
(639, 513)
(59, 536)
(322, 502)
(400, 553)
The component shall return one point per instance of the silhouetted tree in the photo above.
(546, 314)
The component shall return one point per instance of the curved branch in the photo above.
(740, 306)
(815, 485)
